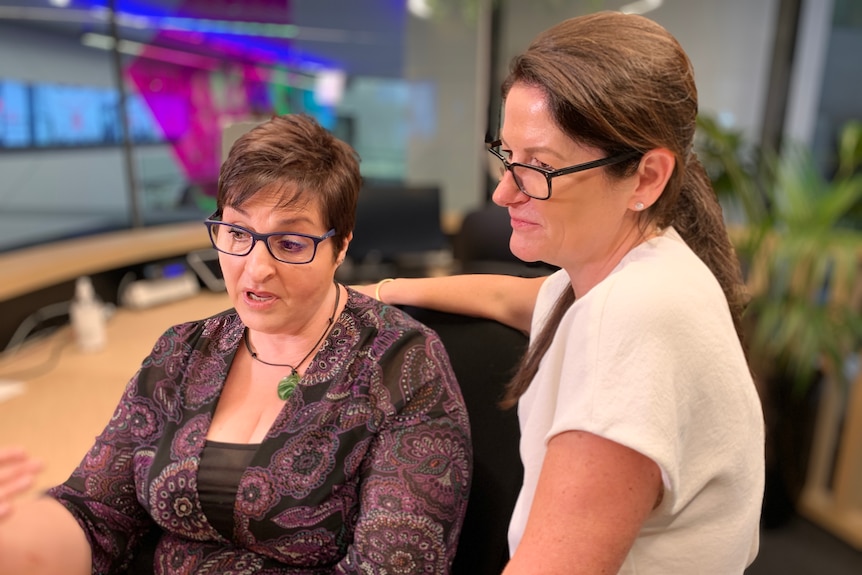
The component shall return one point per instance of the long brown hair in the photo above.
(620, 82)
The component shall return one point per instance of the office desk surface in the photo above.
(69, 395)
(30, 269)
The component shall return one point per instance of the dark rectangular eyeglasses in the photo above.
(535, 182)
(287, 247)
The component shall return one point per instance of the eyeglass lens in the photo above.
(531, 182)
(236, 241)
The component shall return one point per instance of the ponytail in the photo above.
(698, 218)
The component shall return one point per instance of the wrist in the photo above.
(380, 285)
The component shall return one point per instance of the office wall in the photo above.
(729, 43)
(450, 54)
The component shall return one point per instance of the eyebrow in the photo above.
(286, 221)
(535, 150)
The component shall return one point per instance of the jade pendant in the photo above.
(287, 385)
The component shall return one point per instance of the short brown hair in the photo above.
(295, 156)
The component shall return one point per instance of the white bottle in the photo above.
(88, 317)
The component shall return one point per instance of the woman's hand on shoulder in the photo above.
(18, 471)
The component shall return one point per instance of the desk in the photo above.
(34, 268)
(63, 408)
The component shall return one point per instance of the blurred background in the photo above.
(116, 114)
(412, 84)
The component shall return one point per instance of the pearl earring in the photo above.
(639, 206)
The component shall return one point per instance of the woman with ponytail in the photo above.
(641, 429)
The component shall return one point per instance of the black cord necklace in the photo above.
(288, 383)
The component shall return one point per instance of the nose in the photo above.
(507, 191)
(259, 262)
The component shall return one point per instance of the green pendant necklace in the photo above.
(288, 383)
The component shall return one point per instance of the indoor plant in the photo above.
(799, 238)
(800, 244)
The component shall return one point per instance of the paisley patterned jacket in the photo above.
(366, 469)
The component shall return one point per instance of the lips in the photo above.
(518, 223)
(258, 296)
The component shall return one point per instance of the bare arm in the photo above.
(37, 535)
(591, 501)
(507, 299)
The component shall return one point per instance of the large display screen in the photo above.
(43, 115)
(74, 116)
(15, 116)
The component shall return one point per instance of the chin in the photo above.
(524, 253)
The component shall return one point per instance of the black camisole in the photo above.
(221, 468)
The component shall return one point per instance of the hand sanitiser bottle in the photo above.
(88, 316)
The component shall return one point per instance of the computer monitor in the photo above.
(394, 221)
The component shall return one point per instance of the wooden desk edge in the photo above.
(42, 266)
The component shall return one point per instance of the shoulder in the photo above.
(211, 338)
(407, 354)
(659, 279)
(385, 333)
(187, 363)
(368, 312)
(219, 325)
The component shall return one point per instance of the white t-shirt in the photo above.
(650, 359)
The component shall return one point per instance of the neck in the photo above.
(270, 355)
(586, 275)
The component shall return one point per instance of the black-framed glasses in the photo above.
(287, 247)
(535, 182)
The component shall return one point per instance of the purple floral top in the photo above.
(366, 469)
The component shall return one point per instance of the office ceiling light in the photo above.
(329, 87)
(297, 77)
(152, 52)
(203, 25)
(641, 6)
(59, 3)
(419, 8)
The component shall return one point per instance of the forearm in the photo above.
(40, 536)
(507, 299)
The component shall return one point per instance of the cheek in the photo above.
(231, 267)
(554, 217)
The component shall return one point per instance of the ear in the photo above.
(654, 171)
(342, 253)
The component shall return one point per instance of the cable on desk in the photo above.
(32, 321)
(40, 369)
